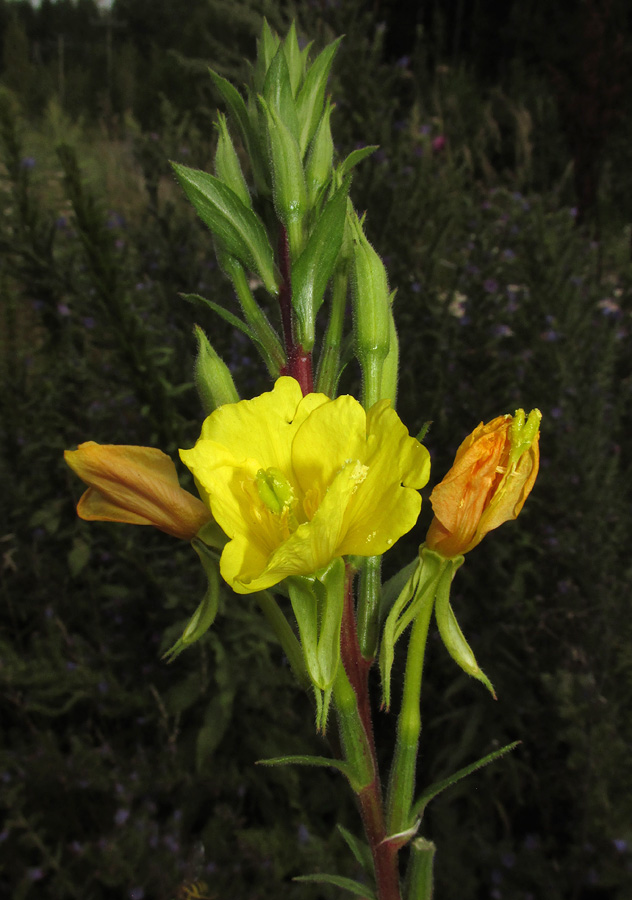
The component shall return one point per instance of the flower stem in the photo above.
(351, 696)
(402, 777)
(299, 361)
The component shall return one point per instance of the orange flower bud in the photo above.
(136, 485)
(492, 476)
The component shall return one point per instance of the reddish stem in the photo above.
(369, 798)
(299, 363)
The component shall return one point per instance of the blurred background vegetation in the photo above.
(501, 200)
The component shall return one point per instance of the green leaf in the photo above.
(319, 159)
(315, 266)
(322, 761)
(240, 231)
(237, 107)
(360, 850)
(224, 313)
(355, 157)
(347, 884)
(311, 97)
(294, 58)
(439, 786)
(267, 47)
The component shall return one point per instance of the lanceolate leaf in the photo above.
(237, 106)
(347, 884)
(439, 786)
(311, 97)
(355, 157)
(359, 848)
(315, 265)
(224, 313)
(322, 761)
(240, 231)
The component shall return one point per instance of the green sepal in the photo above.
(360, 850)
(522, 433)
(314, 267)
(311, 97)
(205, 614)
(227, 165)
(431, 792)
(318, 601)
(417, 591)
(305, 760)
(278, 94)
(289, 192)
(449, 629)
(239, 229)
(355, 157)
(346, 884)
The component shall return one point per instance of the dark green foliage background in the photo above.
(122, 777)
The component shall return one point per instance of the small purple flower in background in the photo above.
(502, 331)
(438, 143)
(509, 254)
(403, 62)
(115, 220)
(89, 322)
(609, 307)
(573, 212)
(121, 816)
(620, 845)
(35, 874)
(303, 834)
(490, 285)
(136, 893)
(28, 162)
(415, 287)
(63, 309)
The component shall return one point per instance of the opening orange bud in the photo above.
(136, 485)
(493, 473)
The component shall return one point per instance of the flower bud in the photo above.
(492, 476)
(371, 310)
(213, 380)
(136, 485)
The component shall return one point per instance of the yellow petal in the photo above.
(387, 504)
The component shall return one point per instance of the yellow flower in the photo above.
(297, 481)
(137, 485)
(493, 473)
